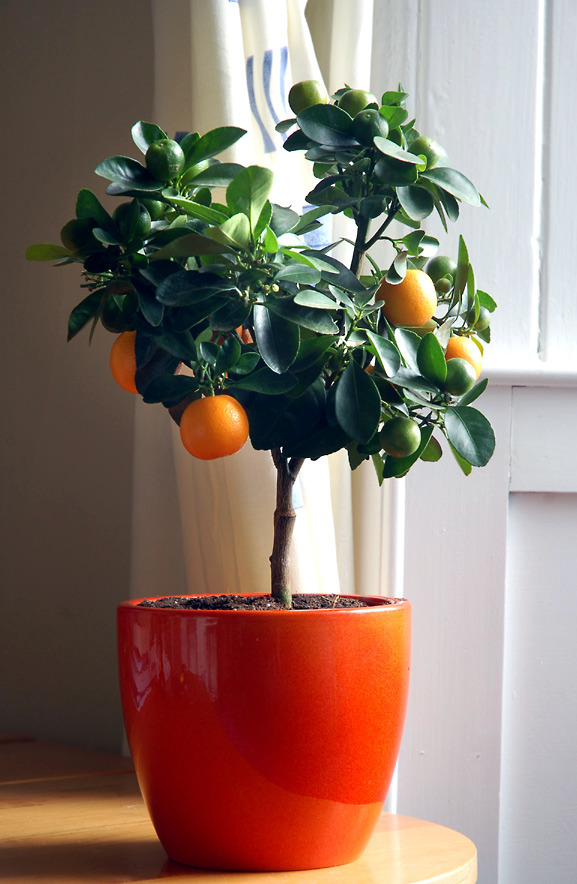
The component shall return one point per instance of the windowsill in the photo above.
(534, 374)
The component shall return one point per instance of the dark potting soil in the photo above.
(304, 602)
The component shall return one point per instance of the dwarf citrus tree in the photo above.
(310, 355)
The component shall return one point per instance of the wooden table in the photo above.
(69, 815)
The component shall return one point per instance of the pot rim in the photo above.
(381, 603)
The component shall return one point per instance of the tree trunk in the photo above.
(284, 520)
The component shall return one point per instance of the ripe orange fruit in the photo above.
(464, 348)
(123, 361)
(411, 302)
(214, 426)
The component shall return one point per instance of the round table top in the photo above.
(77, 816)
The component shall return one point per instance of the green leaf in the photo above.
(265, 381)
(145, 134)
(229, 316)
(312, 351)
(386, 353)
(151, 309)
(283, 421)
(218, 175)
(395, 116)
(263, 221)
(355, 456)
(413, 240)
(84, 312)
(307, 317)
(188, 141)
(398, 269)
(249, 191)
(128, 172)
(340, 275)
(390, 171)
(324, 439)
(209, 352)
(357, 403)
(431, 360)
(283, 219)
(487, 301)
(308, 221)
(450, 205)
(316, 300)
(276, 337)
(197, 210)
(454, 183)
(234, 231)
(470, 434)
(247, 363)
(301, 273)
(474, 392)
(390, 149)
(285, 125)
(408, 343)
(88, 206)
(296, 141)
(183, 318)
(392, 98)
(45, 251)
(169, 389)
(432, 451)
(416, 202)
(187, 245)
(230, 351)
(190, 286)
(462, 272)
(270, 241)
(214, 142)
(464, 464)
(327, 124)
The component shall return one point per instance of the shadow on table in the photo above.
(104, 862)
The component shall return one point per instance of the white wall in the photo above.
(74, 77)
(490, 560)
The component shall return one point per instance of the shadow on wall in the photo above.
(79, 75)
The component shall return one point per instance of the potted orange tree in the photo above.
(264, 729)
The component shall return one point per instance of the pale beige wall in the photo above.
(73, 78)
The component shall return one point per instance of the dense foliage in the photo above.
(229, 286)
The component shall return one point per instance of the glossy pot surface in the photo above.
(264, 740)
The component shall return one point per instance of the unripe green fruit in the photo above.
(165, 159)
(461, 376)
(306, 94)
(433, 152)
(440, 266)
(444, 285)
(367, 124)
(156, 208)
(353, 101)
(484, 319)
(400, 436)
(123, 218)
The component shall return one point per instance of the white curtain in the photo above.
(232, 62)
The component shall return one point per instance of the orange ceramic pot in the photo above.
(264, 740)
